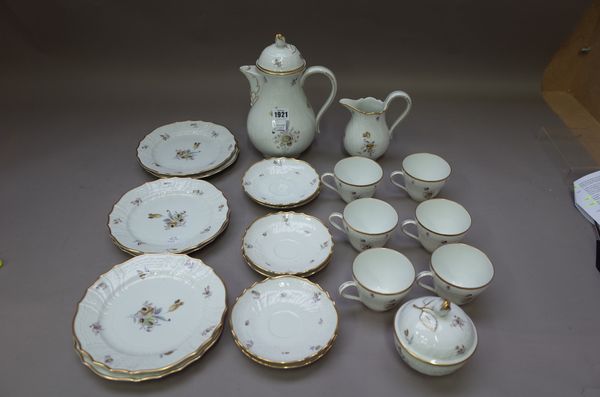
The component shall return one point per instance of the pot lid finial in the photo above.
(280, 58)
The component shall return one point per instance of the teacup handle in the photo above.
(403, 226)
(335, 224)
(392, 175)
(345, 285)
(324, 182)
(425, 273)
(393, 95)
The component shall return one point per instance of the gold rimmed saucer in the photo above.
(303, 175)
(329, 320)
(320, 244)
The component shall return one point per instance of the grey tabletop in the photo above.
(67, 153)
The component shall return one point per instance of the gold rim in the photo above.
(288, 205)
(151, 377)
(159, 175)
(284, 73)
(363, 112)
(385, 293)
(273, 274)
(457, 286)
(423, 180)
(365, 233)
(413, 355)
(133, 251)
(355, 185)
(166, 368)
(352, 184)
(222, 167)
(444, 234)
(369, 234)
(267, 273)
(284, 364)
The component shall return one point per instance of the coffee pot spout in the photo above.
(255, 79)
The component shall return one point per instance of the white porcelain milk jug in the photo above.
(367, 133)
(281, 121)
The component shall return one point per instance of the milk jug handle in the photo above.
(322, 70)
(393, 95)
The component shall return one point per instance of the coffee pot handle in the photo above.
(322, 70)
(393, 95)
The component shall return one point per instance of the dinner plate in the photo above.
(176, 215)
(281, 183)
(284, 322)
(150, 314)
(186, 148)
(118, 376)
(287, 243)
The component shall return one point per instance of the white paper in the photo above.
(281, 119)
(587, 196)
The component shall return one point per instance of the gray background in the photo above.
(83, 81)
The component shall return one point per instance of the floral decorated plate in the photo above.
(119, 376)
(284, 322)
(186, 148)
(150, 314)
(227, 164)
(281, 182)
(175, 215)
(287, 243)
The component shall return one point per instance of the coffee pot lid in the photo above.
(280, 58)
(433, 330)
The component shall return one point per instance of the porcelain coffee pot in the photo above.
(281, 121)
(367, 133)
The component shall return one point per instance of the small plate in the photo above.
(284, 322)
(177, 215)
(150, 314)
(281, 183)
(186, 148)
(287, 243)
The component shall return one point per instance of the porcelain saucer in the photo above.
(177, 215)
(186, 148)
(284, 322)
(281, 183)
(150, 314)
(287, 243)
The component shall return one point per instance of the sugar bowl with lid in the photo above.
(434, 336)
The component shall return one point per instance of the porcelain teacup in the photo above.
(438, 222)
(460, 273)
(367, 222)
(382, 278)
(424, 175)
(354, 177)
